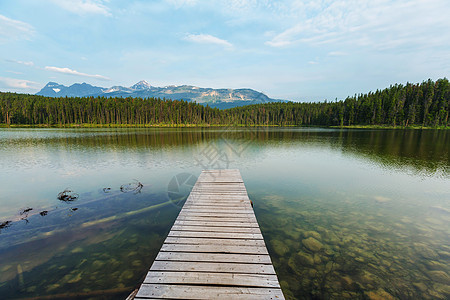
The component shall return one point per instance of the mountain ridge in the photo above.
(220, 98)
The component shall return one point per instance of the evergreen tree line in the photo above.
(425, 104)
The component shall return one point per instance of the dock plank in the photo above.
(220, 267)
(215, 215)
(214, 249)
(253, 280)
(216, 229)
(228, 235)
(214, 257)
(163, 291)
(219, 224)
(213, 241)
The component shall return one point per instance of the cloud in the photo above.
(14, 72)
(181, 3)
(379, 24)
(207, 39)
(337, 53)
(74, 72)
(26, 63)
(14, 29)
(18, 83)
(84, 7)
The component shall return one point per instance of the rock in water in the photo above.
(300, 261)
(279, 247)
(312, 244)
(313, 234)
(425, 251)
(379, 294)
(440, 276)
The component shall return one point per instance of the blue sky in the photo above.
(296, 50)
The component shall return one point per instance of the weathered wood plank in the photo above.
(225, 211)
(216, 229)
(162, 291)
(219, 204)
(216, 202)
(230, 197)
(236, 206)
(221, 198)
(221, 267)
(214, 257)
(214, 249)
(209, 202)
(219, 224)
(215, 219)
(214, 241)
(203, 278)
(215, 214)
(229, 235)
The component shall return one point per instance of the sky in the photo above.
(296, 50)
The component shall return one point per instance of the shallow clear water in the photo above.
(345, 213)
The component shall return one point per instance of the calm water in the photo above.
(345, 213)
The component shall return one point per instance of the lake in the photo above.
(344, 213)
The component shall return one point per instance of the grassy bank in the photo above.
(389, 127)
(161, 125)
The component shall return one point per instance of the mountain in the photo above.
(53, 89)
(141, 85)
(220, 98)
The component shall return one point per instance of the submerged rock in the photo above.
(444, 254)
(442, 289)
(440, 276)
(279, 247)
(313, 273)
(434, 265)
(313, 234)
(312, 244)
(425, 251)
(368, 278)
(379, 294)
(420, 286)
(317, 259)
(300, 261)
(381, 199)
(347, 282)
(303, 259)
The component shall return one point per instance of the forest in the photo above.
(425, 104)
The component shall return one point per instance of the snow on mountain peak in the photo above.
(141, 85)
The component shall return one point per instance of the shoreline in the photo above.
(162, 125)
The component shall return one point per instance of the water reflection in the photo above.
(423, 150)
(345, 213)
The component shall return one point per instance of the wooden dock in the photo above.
(215, 249)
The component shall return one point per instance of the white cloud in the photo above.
(181, 3)
(207, 39)
(26, 63)
(14, 72)
(337, 53)
(380, 24)
(76, 73)
(14, 29)
(84, 7)
(18, 83)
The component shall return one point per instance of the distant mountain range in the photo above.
(220, 98)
